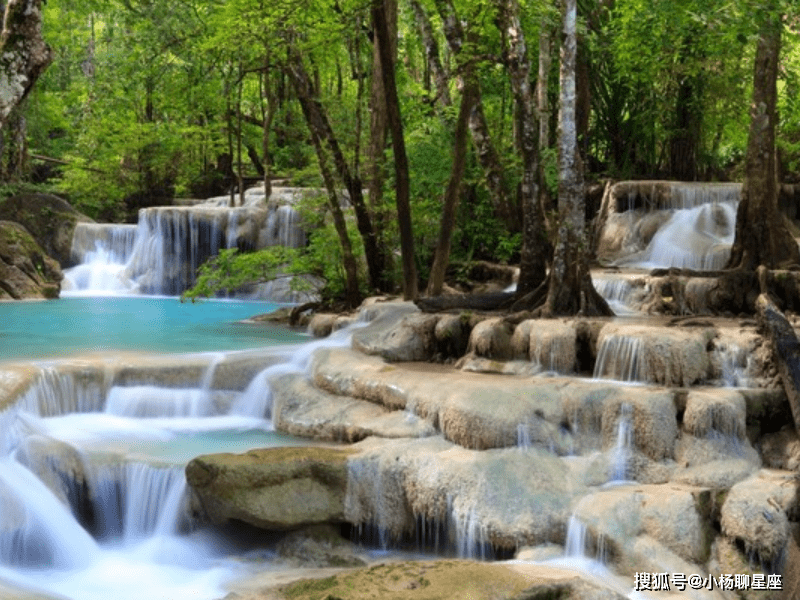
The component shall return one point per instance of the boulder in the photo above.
(399, 333)
(318, 546)
(49, 219)
(502, 498)
(262, 487)
(491, 339)
(781, 450)
(715, 412)
(298, 408)
(786, 350)
(25, 270)
(676, 517)
(664, 355)
(452, 335)
(756, 512)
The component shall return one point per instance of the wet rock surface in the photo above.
(25, 270)
(262, 487)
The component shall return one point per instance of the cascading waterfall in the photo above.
(694, 227)
(161, 254)
(735, 364)
(620, 357)
(99, 510)
(135, 500)
(621, 453)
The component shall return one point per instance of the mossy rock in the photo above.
(262, 487)
(49, 219)
(25, 270)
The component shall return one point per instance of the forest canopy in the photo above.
(146, 101)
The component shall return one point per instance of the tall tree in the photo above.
(23, 53)
(485, 149)
(438, 72)
(395, 123)
(451, 195)
(570, 288)
(379, 265)
(762, 237)
(535, 247)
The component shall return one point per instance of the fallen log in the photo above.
(785, 350)
(484, 302)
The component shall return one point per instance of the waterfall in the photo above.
(36, 529)
(623, 293)
(471, 536)
(621, 453)
(56, 392)
(135, 500)
(152, 401)
(734, 363)
(669, 224)
(620, 357)
(161, 254)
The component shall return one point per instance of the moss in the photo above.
(308, 587)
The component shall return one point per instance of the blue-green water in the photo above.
(63, 327)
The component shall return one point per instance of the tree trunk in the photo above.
(268, 105)
(484, 148)
(402, 191)
(317, 120)
(543, 105)
(23, 54)
(380, 268)
(451, 195)
(570, 288)
(535, 251)
(762, 237)
(432, 53)
(352, 293)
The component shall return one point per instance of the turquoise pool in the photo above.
(60, 328)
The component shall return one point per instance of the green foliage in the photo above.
(231, 270)
(321, 258)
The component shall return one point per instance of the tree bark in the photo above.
(432, 53)
(380, 267)
(451, 195)
(484, 148)
(543, 106)
(402, 190)
(762, 237)
(535, 247)
(317, 120)
(570, 289)
(23, 53)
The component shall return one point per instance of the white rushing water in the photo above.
(161, 254)
(92, 485)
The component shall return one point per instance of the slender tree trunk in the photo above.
(381, 267)
(239, 172)
(352, 292)
(317, 120)
(402, 191)
(481, 138)
(543, 104)
(23, 53)
(267, 114)
(762, 237)
(432, 53)
(535, 250)
(570, 289)
(451, 195)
